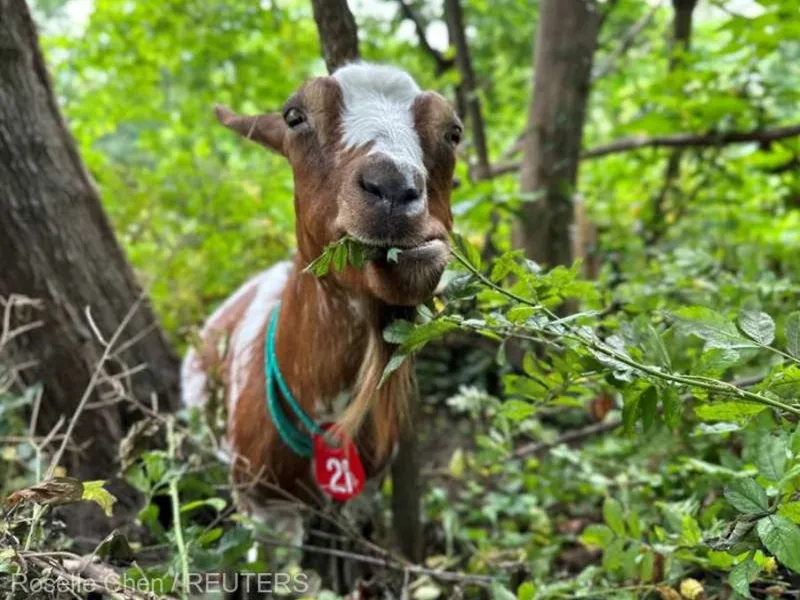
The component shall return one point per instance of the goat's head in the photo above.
(373, 158)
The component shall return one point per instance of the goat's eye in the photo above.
(454, 135)
(294, 117)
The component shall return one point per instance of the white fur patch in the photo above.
(270, 286)
(378, 107)
(193, 380)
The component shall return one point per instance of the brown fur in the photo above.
(329, 335)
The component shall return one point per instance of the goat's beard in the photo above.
(412, 279)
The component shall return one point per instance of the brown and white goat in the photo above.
(373, 158)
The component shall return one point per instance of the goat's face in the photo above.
(373, 158)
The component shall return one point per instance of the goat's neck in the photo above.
(329, 340)
(322, 337)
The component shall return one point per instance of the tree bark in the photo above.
(57, 246)
(338, 34)
(458, 35)
(407, 489)
(681, 40)
(566, 40)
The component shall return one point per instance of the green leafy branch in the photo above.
(348, 251)
(562, 328)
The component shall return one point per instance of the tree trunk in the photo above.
(681, 40)
(338, 34)
(57, 246)
(566, 40)
(458, 37)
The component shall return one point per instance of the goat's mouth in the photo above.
(401, 251)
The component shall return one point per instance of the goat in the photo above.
(372, 157)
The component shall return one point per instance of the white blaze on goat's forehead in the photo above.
(378, 108)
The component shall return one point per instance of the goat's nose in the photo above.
(383, 181)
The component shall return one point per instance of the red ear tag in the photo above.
(338, 471)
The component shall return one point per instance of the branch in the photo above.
(442, 62)
(455, 21)
(338, 34)
(677, 140)
(626, 42)
(387, 562)
(583, 433)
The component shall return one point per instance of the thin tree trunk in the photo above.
(566, 40)
(57, 246)
(338, 33)
(681, 40)
(458, 37)
(407, 490)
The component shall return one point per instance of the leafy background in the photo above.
(667, 488)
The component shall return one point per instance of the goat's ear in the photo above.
(268, 129)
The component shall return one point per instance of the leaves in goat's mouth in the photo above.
(349, 250)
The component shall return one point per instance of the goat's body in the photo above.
(372, 157)
(326, 349)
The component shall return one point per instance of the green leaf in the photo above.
(691, 534)
(597, 535)
(424, 333)
(710, 326)
(671, 402)
(793, 334)
(397, 331)
(771, 458)
(613, 516)
(95, 492)
(218, 504)
(790, 510)
(467, 251)
(728, 411)
(746, 496)
(500, 592)
(614, 555)
(782, 539)
(758, 326)
(394, 363)
(648, 404)
(631, 410)
(526, 591)
(520, 313)
(517, 410)
(393, 255)
(340, 257)
(356, 255)
(742, 575)
(647, 567)
(320, 265)
(634, 524)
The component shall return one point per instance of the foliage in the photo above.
(643, 443)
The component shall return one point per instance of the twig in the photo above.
(676, 140)
(93, 382)
(596, 346)
(583, 433)
(176, 508)
(455, 18)
(568, 438)
(442, 62)
(626, 42)
(389, 563)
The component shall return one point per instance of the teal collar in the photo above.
(299, 441)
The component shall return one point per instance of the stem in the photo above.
(176, 511)
(688, 380)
